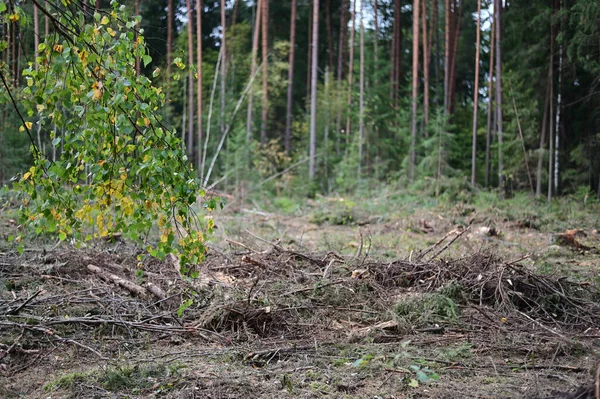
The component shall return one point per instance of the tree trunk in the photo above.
(199, 164)
(497, 6)
(47, 24)
(329, 34)
(457, 19)
(476, 97)
(558, 110)
(98, 4)
(313, 94)
(169, 45)
(137, 59)
(425, 67)
(223, 66)
(435, 27)
(257, 28)
(376, 38)
(309, 63)
(538, 182)
(190, 32)
(340, 71)
(361, 125)
(265, 71)
(415, 85)
(290, 89)
(488, 137)
(36, 34)
(447, 59)
(350, 77)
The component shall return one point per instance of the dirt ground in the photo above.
(330, 299)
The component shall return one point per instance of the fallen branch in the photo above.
(121, 282)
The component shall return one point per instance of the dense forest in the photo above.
(315, 96)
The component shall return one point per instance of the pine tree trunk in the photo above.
(265, 71)
(98, 4)
(393, 54)
(436, 30)
(329, 34)
(223, 66)
(290, 89)
(199, 164)
(340, 73)
(425, 67)
(457, 19)
(169, 46)
(256, 36)
(376, 38)
(497, 6)
(309, 63)
(190, 33)
(476, 97)
(488, 137)
(447, 59)
(538, 183)
(350, 77)
(415, 85)
(313, 94)
(361, 125)
(47, 22)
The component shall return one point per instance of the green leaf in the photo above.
(413, 383)
(20, 249)
(146, 59)
(2, 7)
(62, 236)
(422, 376)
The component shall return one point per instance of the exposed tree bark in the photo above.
(309, 63)
(488, 137)
(98, 4)
(190, 33)
(436, 30)
(538, 183)
(223, 66)
(426, 52)
(350, 77)
(290, 89)
(257, 28)
(415, 85)
(476, 97)
(329, 34)
(497, 7)
(313, 95)
(361, 125)
(265, 71)
(47, 22)
(234, 16)
(199, 90)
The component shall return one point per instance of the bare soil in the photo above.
(325, 303)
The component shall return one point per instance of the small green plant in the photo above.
(421, 375)
(425, 310)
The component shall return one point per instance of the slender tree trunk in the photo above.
(137, 59)
(290, 89)
(236, 7)
(361, 136)
(497, 7)
(257, 28)
(558, 110)
(199, 90)
(190, 32)
(415, 85)
(476, 97)
(223, 66)
(265, 71)
(47, 22)
(98, 4)
(169, 46)
(350, 77)
(538, 183)
(457, 19)
(436, 30)
(394, 51)
(309, 63)
(376, 32)
(313, 94)
(36, 34)
(488, 136)
(340, 72)
(447, 59)
(425, 67)
(329, 34)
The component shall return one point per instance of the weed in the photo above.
(425, 310)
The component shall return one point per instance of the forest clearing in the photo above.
(364, 304)
(303, 198)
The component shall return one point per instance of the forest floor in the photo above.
(382, 298)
